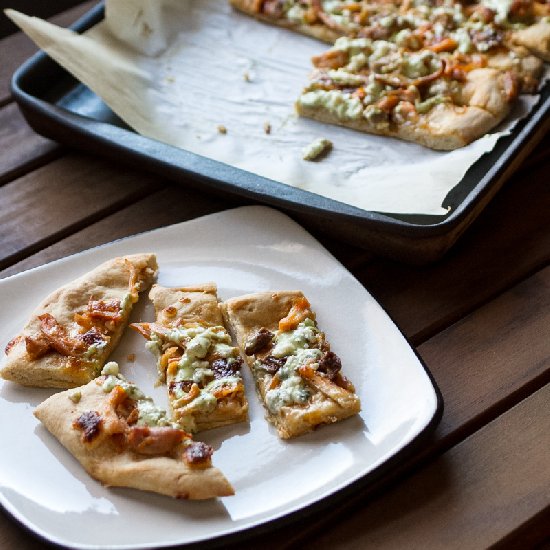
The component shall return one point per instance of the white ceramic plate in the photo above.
(243, 250)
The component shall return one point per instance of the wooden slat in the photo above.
(16, 48)
(172, 205)
(509, 241)
(493, 358)
(483, 365)
(21, 149)
(472, 497)
(80, 190)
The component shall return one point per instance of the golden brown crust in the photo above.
(106, 462)
(328, 403)
(536, 38)
(197, 304)
(109, 281)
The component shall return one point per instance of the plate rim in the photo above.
(343, 497)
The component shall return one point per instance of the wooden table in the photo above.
(480, 319)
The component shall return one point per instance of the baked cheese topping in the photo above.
(202, 365)
(148, 413)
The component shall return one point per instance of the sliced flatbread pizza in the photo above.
(195, 357)
(123, 439)
(436, 99)
(73, 331)
(298, 377)
(514, 36)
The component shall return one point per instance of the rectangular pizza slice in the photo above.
(442, 100)
(195, 357)
(297, 376)
(73, 331)
(123, 439)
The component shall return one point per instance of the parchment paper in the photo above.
(176, 70)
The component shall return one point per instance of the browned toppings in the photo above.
(299, 311)
(398, 81)
(90, 423)
(331, 59)
(223, 368)
(37, 346)
(272, 364)
(445, 45)
(155, 440)
(12, 343)
(273, 8)
(330, 365)
(181, 385)
(105, 310)
(92, 336)
(198, 453)
(57, 336)
(259, 341)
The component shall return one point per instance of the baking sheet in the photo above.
(175, 71)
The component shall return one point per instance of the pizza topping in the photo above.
(316, 149)
(90, 423)
(271, 364)
(226, 367)
(37, 347)
(75, 396)
(197, 453)
(12, 343)
(259, 341)
(330, 365)
(154, 440)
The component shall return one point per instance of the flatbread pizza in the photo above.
(422, 96)
(73, 331)
(123, 439)
(298, 377)
(195, 357)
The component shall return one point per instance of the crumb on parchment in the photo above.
(131, 357)
(317, 149)
(222, 129)
(267, 128)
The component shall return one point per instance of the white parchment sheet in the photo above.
(176, 70)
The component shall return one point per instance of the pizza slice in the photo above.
(72, 332)
(195, 357)
(512, 36)
(123, 439)
(297, 376)
(442, 100)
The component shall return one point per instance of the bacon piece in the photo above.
(37, 347)
(198, 454)
(105, 310)
(90, 423)
(156, 440)
(259, 341)
(57, 337)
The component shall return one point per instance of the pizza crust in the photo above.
(329, 402)
(109, 281)
(536, 38)
(106, 462)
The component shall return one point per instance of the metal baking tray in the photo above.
(57, 106)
